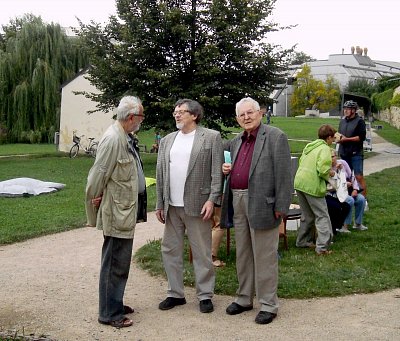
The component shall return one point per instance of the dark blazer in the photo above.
(142, 197)
(270, 179)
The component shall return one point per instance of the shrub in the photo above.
(382, 100)
(395, 101)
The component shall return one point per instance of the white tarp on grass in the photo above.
(27, 186)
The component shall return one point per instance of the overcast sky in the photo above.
(324, 26)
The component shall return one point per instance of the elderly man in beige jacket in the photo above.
(114, 191)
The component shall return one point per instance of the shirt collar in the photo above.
(252, 135)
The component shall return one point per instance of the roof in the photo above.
(81, 72)
(353, 66)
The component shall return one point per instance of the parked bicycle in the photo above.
(90, 149)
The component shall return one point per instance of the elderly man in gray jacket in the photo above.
(189, 183)
(259, 187)
(114, 192)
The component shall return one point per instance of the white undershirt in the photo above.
(179, 157)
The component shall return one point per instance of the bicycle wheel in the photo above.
(74, 151)
(93, 149)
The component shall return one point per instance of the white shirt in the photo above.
(179, 157)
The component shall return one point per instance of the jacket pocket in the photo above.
(270, 200)
(123, 214)
(123, 170)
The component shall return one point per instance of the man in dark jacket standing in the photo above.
(351, 149)
(259, 188)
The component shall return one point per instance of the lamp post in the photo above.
(286, 96)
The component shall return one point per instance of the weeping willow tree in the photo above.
(35, 59)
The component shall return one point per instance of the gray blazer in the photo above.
(270, 178)
(204, 177)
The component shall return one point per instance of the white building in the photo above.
(74, 115)
(343, 67)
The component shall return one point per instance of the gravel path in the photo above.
(48, 286)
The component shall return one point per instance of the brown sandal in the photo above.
(324, 252)
(218, 263)
(128, 310)
(125, 322)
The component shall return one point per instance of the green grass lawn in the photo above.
(24, 148)
(362, 261)
(22, 218)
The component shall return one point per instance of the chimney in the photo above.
(352, 50)
(365, 51)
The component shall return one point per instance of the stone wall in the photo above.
(392, 115)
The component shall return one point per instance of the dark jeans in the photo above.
(337, 212)
(115, 264)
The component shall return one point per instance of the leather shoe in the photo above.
(234, 309)
(171, 302)
(264, 317)
(206, 306)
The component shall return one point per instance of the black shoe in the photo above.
(234, 309)
(264, 317)
(206, 306)
(171, 302)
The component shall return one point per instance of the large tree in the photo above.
(300, 58)
(214, 51)
(35, 59)
(313, 93)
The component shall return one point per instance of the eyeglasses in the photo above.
(249, 113)
(179, 112)
(137, 115)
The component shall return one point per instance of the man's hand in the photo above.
(160, 216)
(279, 215)
(208, 210)
(226, 168)
(97, 201)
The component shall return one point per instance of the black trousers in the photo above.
(337, 212)
(115, 264)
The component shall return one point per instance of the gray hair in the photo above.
(255, 104)
(193, 106)
(127, 106)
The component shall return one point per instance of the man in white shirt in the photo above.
(189, 183)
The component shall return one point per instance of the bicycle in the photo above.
(90, 149)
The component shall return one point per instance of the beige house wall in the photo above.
(74, 116)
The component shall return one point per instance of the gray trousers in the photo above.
(314, 213)
(115, 264)
(199, 235)
(256, 258)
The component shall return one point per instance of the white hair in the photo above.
(127, 106)
(255, 104)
